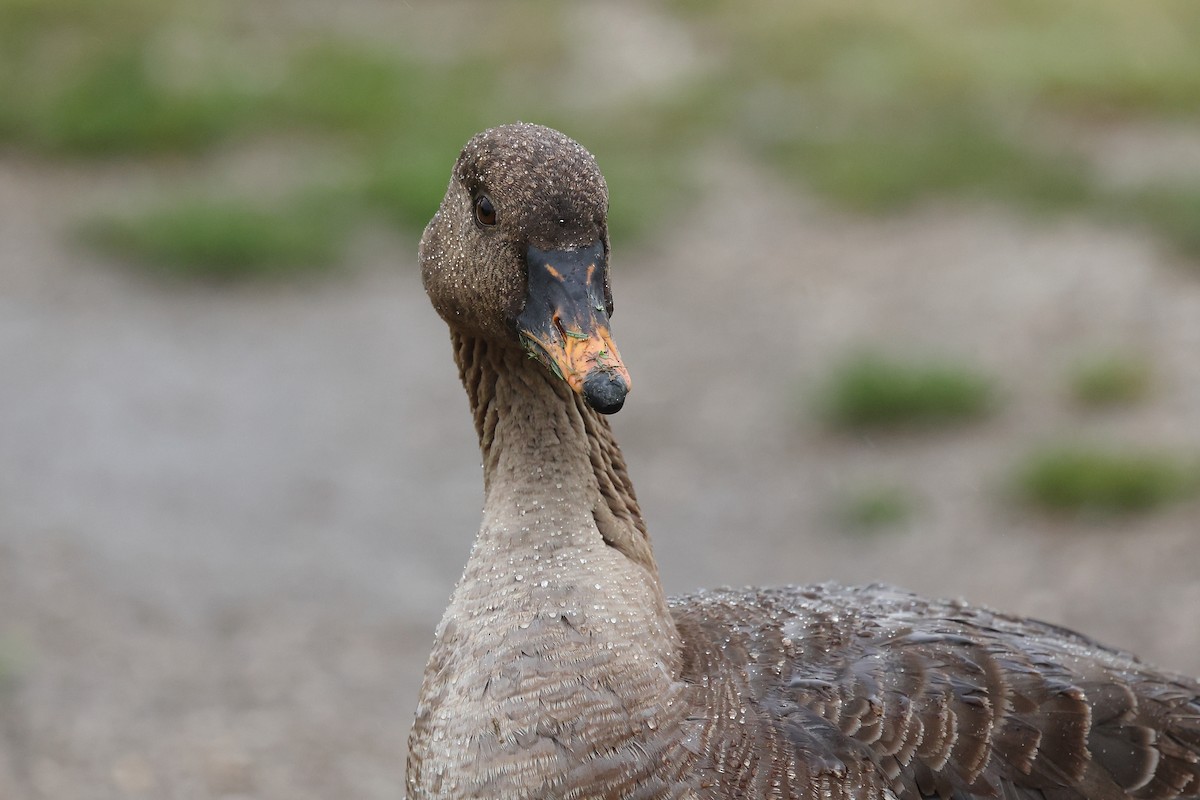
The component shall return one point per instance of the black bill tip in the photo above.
(605, 391)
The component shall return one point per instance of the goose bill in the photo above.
(565, 325)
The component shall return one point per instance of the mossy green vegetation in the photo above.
(118, 106)
(80, 78)
(875, 508)
(1110, 380)
(875, 106)
(645, 151)
(407, 119)
(14, 658)
(1091, 56)
(869, 391)
(885, 168)
(222, 240)
(878, 105)
(1172, 212)
(1104, 481)
(369, 93)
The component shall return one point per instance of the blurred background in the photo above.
(910, 292)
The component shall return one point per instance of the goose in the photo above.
(561, 670)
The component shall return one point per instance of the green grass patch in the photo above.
(409, 118)
(51, 31)
(368, 92)
(406, 183)
(873, 509)
(643, 187)
(1172, 212)
(642, 194)
(884, 166)
(14, 658)
(1109, 381)
(644, 152)
(353, 90)
(226, 241)
(869, 391)
(1090, 56)
(1088, 480)
(24, 20)
(117, 104)
(93, 79)
(877, 105)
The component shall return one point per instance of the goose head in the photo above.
(517, 253)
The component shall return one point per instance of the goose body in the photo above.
(560, 669)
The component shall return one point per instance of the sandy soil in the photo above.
(230, 519)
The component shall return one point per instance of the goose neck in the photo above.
(554, 476)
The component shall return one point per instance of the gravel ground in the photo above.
(229, 519)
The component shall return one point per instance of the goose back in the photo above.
(872, 692)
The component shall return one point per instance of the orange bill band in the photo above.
(564, 324)
(577, 353)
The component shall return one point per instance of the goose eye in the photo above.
(485, 212)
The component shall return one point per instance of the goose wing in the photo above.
(873, 692)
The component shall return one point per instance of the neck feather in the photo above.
(540, 442)
(558, 644)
